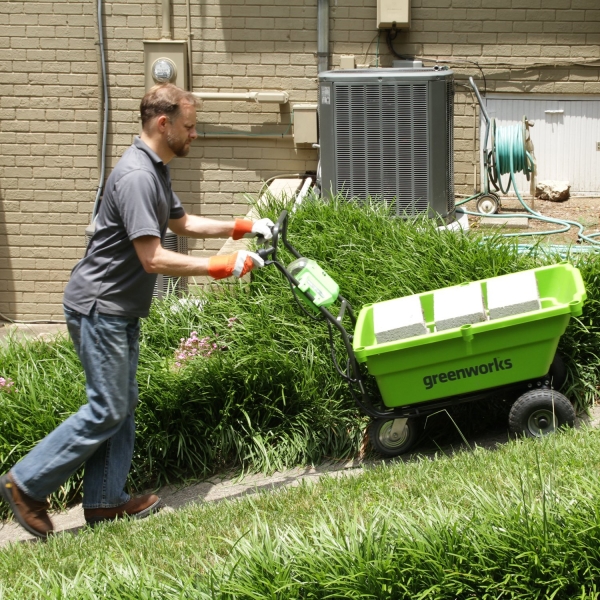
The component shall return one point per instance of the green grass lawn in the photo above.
(522, 521)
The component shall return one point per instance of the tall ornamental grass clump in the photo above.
(239, 376)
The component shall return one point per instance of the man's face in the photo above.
(181, 132)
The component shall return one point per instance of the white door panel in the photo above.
(565, 137)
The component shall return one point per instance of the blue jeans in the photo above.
(102, 432)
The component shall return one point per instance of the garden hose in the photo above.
(511, 153)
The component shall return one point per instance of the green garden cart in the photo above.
(512, 357)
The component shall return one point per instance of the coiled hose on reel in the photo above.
(511, 152)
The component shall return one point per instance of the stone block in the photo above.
(512, 294)
(458, 305)
(511, 222)
(398, 319)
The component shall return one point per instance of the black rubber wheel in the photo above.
(488, 204)
(540, 412)
(389, 438)
(557, 373)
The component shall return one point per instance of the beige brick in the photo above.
(584, 4)
(23, 19)
(556, 51)
(570, 39)
(69, 8)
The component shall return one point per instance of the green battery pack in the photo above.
(314, 280)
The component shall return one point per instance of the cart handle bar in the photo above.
(353, 375)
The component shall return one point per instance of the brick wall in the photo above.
(49, 101)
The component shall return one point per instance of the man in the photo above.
(109, 290)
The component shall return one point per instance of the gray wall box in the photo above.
(175, 51)
(387, 134)
(305, 123)
(393, 13)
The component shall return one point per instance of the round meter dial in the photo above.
(164, 70)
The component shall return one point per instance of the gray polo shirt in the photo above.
(138, 200)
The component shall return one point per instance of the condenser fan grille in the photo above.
(166, 284)
(381, 144)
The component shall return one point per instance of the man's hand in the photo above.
(236, 264)
(247, 229)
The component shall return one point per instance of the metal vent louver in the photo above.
(450, 117)
(165, 284)
(386, 134)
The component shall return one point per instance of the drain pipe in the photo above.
(322, 35)
(322, 61)
(189, 47)
(166, 19)
(103, 102)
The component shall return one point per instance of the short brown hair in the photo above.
(164, 99)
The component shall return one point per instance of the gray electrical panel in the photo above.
(387, 134)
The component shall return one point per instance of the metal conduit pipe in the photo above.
(166, 19)
(322, 35)
(189, 47)
(273, 97)
(241, 135)
(103, 106)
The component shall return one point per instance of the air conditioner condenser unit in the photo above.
(387, 134)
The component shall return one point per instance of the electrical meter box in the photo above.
(165, 61)
(393, 12)
(314, 280)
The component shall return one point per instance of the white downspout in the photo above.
(166, 19)
(189, 47)
(322, 35)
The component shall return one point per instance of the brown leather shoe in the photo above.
(31, 514)
(136, 508)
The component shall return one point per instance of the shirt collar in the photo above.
(138, 143)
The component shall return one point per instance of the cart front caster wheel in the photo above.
(488, 204)
(540, 412)
(392, 437)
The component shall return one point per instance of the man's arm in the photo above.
(201, 227)
(156, 259)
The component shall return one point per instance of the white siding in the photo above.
(565, 142)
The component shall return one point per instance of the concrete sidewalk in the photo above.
(214, 489)
(23, 331)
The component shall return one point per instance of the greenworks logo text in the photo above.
(474, 371)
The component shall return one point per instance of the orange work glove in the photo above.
(236, 264)
(245, 228)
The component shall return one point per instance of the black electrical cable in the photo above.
(392, 34)
(390, 37)
(457, 60)
(302, 308)
(334, 357)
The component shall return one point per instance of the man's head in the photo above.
(169, 119)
